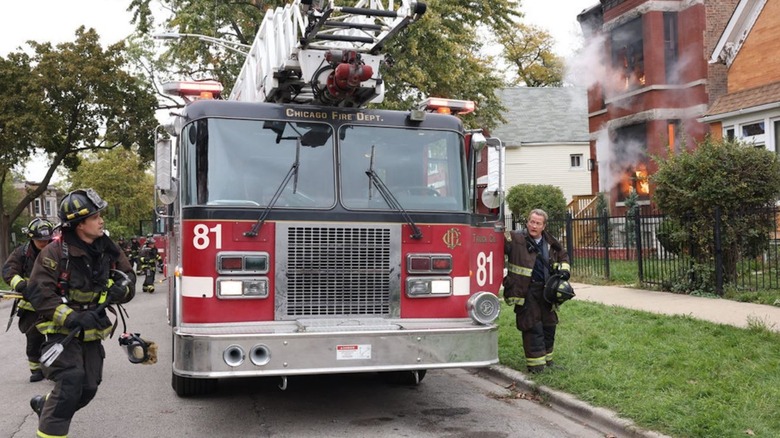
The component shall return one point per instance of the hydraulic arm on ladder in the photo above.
(329, 55)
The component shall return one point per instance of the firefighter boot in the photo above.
(36, 376)
(36, 403)
(536, 369)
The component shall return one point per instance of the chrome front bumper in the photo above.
(331, 346)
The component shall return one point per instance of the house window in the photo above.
(730, 133)
(670, 47)
(751, 129)
(628, 54)
(630, 153)
(776, 125)
(37, 207)
(47, 208)
(576, 161)
(673, 136)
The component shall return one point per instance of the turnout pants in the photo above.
(77, 372)
(148, 285)
(537, 321)
(35, 339)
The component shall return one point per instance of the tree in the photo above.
(119, 176)
(530, 49)
(86, 102)
(422, 56)
(739, 180)
(20, 102)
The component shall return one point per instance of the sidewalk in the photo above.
(715, 310)
(719, 311)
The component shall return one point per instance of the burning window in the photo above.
(630, 143)
(628, 54)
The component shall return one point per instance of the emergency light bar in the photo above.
(447, 106)
(198, 89)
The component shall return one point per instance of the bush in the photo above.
(523, 198)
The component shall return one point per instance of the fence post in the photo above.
(638, 238)
(605, 243)
(718, 254)
(570, 237)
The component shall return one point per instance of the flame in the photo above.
(642, 182)
(636, 179)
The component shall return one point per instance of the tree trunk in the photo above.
(5, 236)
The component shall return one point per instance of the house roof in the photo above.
(543, 115)
(744, 100)
(738, 27)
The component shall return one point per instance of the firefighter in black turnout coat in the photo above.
(70, 280)
(16, 272)
(149, 258)
(531, 255)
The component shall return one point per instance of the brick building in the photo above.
(46, 205)
(750, 110)
(651, 85)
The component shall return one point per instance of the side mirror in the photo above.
(163, 179)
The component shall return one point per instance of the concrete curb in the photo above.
(600, 419)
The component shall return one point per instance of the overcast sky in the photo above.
(56, 21)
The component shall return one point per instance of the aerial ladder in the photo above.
(314, 52)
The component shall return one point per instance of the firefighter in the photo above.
(70, 280)
(16, 272)
(124, 245)
(532, 254)
(149, 258)
(135, 247)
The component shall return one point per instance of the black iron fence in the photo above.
(739, 249)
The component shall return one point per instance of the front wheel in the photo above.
(188, 387)
(408, 378)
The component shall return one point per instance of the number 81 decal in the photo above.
(484, 268)
(201, 239)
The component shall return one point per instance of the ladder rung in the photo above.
(367, 12)
(364, 26)
(348, 38)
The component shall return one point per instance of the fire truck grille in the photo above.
(338, 271)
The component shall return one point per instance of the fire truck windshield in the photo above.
(423, 169)
(242, 163)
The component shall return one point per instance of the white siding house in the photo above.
(546, 138)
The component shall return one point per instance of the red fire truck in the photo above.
(310, 235)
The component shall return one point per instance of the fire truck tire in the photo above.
(407, 378)
(188, 387)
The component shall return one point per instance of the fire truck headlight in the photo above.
(242, 287)
(417, 287)
(483, 307)
(255, 288)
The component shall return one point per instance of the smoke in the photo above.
(621, 144)
(616, 158)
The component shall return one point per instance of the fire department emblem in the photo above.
(452, 238)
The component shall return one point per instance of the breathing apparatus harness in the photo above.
(556, 290)
(138, 349)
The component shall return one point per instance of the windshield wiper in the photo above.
(387, 195)
(292, 173)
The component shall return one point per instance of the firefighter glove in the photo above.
(563, 269)
(118, 286)
(86, 319)
(21, 286)
(514, 301)
(117, 293)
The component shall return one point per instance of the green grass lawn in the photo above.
(675, 375)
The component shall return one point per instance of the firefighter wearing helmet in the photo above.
(534, 255)
(149, 258)
(72, 282)
(16, 272)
